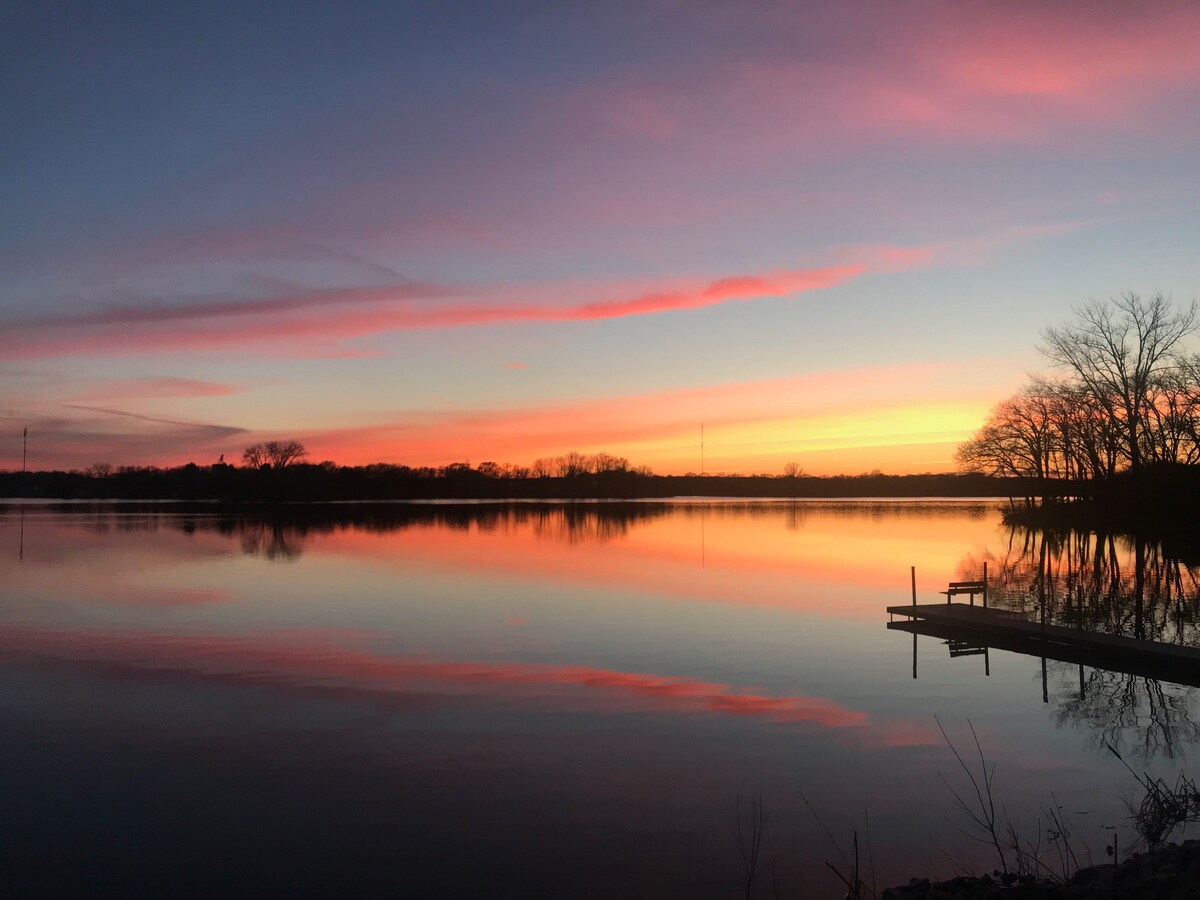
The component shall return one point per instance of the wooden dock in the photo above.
(964, 624)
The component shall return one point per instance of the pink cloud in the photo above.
(820, 83)
(340, 314)
(162, 386)
(1056, 53)
(932, 74)
(723, 290)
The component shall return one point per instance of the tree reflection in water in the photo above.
(273, 541)
(280, 534)
(1136, 716)
(1116, 585)
(1107, 583)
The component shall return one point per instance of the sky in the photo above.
(446, 232)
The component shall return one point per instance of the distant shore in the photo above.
(382, 482)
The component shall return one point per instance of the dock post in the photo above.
(985, 584)
(914, 585)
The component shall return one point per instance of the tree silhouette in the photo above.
(1119, 350)
(571, 465)
(255, 456)
(284, 453)
(607, 462)
(1127, 397)
(277, 454)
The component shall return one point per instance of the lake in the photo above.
(547, 700)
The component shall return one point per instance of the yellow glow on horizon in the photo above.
(915, 437)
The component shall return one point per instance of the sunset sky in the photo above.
(446, 232)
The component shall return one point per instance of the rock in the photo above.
(916, 887)
(1092, 874)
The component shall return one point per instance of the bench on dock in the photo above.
(966, 587)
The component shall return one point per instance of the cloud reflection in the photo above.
(298, 660)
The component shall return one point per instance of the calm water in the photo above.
(539, 700)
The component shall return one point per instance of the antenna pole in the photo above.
(701, 448)
(24, 446)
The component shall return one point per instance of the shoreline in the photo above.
(1171, 871)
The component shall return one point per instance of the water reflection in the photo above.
(571, 522)
(783, 554)
(1139, 717)
(316, 665)
(272, 541)
(1119, 585)
(526, 700)
(1107, 583)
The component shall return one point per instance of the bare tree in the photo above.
(572, 464)
(1173, 416)
(277, 454)
(284, 453)
(255, 456)
(792, 470)
(1118, 350)
(1019, 438)
(1087, 440)
(606, 462)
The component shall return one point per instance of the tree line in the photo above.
(274, 455)
(280, 454)
(1123, 396)
(302, 481)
